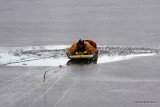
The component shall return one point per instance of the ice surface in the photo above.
(33, 29)
(108, 22)
(56, 55)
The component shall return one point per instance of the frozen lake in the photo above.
(54, 22)
(126, 31)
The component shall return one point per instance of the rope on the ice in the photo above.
(21, 77)
(44, 77)
(27, 60)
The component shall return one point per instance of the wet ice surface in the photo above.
(123, 75)
(115, 23)
(118, 22)
(55, 55)
(125, 81)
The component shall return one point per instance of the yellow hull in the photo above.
(81, 56)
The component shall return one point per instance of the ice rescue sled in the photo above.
(82, 60)
(81, 57)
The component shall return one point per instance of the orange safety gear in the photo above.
(88, 48)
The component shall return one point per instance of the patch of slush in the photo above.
(54, 55)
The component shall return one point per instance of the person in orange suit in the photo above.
(82, 47)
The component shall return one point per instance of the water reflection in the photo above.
(82, 61)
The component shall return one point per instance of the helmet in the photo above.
(81, 42)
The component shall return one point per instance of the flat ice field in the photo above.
(35, 34)
(123, 76)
